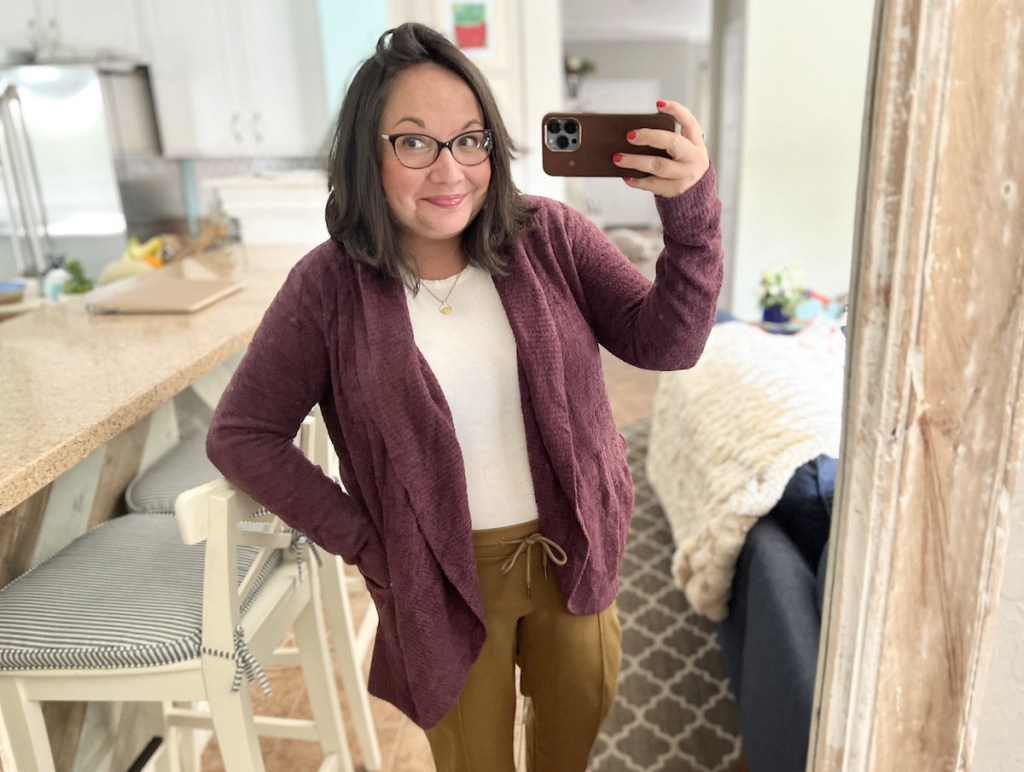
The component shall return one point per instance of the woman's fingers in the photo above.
(664, 186)
(687, 159)
(686, 120)
(672, 142)
(657, 165)
(659, 186)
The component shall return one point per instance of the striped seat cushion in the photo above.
(182, 467)
(125, 594)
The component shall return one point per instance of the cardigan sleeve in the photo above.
(664, 325)
(284, 373)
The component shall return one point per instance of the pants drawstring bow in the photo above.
(551, 551)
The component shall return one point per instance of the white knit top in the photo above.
(472, 353)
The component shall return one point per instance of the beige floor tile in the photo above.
(386, 714)
(389, 738)
(412, 754)
(630, 389)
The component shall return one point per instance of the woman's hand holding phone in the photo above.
(688, 156)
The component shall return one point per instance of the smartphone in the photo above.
(582, 144)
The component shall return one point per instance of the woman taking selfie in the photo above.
(449, 330)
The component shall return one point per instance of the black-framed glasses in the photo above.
(418, 151)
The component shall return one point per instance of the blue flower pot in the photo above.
(775, 314)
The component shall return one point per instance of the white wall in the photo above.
(804, 77)
(540, 51)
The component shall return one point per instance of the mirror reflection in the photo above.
(219, 151)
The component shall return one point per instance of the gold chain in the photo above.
(445, 308)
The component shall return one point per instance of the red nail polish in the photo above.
(631, 135)
(662, 103)
(617, 157)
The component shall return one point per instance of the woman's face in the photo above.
(435, 204)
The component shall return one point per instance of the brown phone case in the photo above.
(600, 136)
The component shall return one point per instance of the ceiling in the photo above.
(589, 20)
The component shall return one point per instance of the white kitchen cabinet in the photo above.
(17, 25)
(238, 77)
(108, 29)
(72, 29)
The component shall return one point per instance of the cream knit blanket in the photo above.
(727, 435)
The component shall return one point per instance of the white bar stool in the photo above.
(186, 465)
(170, 610)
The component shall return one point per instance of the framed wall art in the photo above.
(474, 26)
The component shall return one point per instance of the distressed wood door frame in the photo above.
(934, 413)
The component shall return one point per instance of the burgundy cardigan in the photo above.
(338, 334)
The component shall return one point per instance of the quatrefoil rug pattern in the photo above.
(675, 711)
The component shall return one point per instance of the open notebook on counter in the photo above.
(163, 295)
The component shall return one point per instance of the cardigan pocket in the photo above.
(372, 563)
(384, 600)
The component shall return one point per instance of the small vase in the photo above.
(572, 84)
(775, 315)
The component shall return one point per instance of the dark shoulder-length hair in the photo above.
(357, 213)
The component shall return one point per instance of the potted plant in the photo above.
(77, 282)
(575, 68)
(781, 293)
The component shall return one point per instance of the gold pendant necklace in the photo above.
(445, 308)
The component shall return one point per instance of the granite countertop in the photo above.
(70, 381)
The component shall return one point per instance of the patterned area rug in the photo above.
(674, 711)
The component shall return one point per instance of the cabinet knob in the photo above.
(257, 127)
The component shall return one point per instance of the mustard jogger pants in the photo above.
(569, 666)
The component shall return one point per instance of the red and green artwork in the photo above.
(470, 24)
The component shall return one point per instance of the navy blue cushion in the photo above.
(769, 646)
(805, 510)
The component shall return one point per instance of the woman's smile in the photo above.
(445, 202)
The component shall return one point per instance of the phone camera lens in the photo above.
(571, 127)
(554, 126)
(562, 141)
